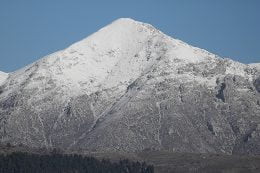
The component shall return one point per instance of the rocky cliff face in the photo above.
(130, 87)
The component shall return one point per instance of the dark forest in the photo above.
(20, 162)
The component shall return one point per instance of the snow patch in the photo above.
(255, 65)
(3, 77)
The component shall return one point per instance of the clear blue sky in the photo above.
(30, 29)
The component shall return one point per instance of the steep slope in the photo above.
(130, 87)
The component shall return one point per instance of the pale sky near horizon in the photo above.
(31, 29)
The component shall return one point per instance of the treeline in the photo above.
(19, 162)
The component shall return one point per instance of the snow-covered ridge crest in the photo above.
(119, 52)
(116, 55)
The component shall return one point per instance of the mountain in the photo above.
(129, 87)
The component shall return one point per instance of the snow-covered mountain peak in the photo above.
(114, 56)
(121, 35)
(119, 52)
(125, 20)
